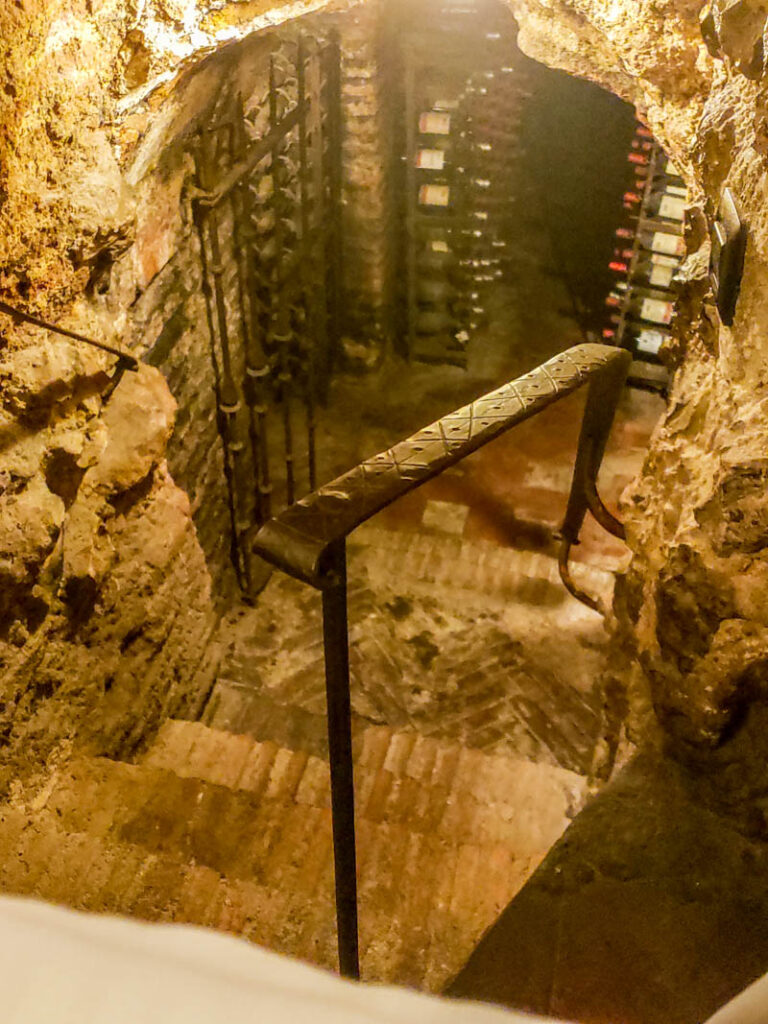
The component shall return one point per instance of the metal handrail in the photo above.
(308, 541)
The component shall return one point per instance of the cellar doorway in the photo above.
(512, 172)
(315, 310)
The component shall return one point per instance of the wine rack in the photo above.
(650, 249)
(460, 103)
(267, 211)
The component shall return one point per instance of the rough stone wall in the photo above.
(158, 284)
(105, 608)
(691, 612)
(105, 612)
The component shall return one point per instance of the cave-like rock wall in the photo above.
(106, 616)
(691, 613)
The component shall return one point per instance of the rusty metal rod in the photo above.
(334, 121)
(245, 290)
(226, 400)
(314, 270)
(563, 564)
(130, 362)
(257, 153)
(336, 645)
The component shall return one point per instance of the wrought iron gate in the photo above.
(267, 211)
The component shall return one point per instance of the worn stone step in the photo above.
(402, 778)
(481, 571)
(141, 840)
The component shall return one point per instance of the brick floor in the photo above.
(451, 638)
(224, 831)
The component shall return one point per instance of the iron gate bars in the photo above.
(267, 206)
(308, 541)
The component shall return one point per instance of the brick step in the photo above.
(422, 908)
(482, 572)
(402, 778)
(476, 686)
(286, 623)
(445, 839)
(463, 576)
(237, 707)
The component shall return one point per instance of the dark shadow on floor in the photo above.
(652, 909)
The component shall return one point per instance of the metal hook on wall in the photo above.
(126, 361)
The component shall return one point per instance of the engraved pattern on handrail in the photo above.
(296, 540)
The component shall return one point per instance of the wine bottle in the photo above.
(435, 196)
(660, 238)
(435, 261)
(656, 270)
(436, 290)
(666, 202)
(651, 307)
(435, 122)
(650, 268)
(643, 340)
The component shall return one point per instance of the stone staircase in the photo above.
(221, 830)
(461, 641)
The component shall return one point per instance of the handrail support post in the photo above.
(336, 643)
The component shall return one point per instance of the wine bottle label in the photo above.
(435, 122)
(671, 245)
(664, 261)
(671, 170)
(661, 277)
(430, 159)
(672, 208)
(677, 190)
(446, 104)
(649, 342)
(435, 195)
(657, 311)
(438, 245)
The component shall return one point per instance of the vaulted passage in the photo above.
(382, 403)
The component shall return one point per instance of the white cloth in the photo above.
(751, 1007)
(62, 967)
